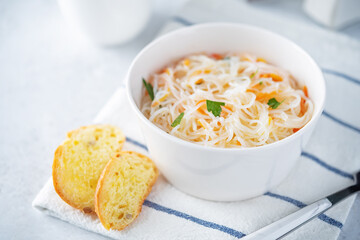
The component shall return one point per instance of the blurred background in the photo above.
(59, 66)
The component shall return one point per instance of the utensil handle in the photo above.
(291, 222)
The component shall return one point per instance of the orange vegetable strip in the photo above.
(216, 56)
(302, 106)
(296, 129)
(261, 60)
(264, 96)
(275, 77)
(305, 90)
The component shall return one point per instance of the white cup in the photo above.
(333, 13)
(107, 22)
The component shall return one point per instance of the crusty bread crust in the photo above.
(57, 171)
(105, 175)
(99, 190)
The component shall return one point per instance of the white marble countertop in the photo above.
(52, 81)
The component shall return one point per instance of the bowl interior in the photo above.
(222, 38)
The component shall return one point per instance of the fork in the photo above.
(282, 227)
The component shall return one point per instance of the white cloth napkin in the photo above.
(325, 166)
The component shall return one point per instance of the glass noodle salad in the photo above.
(230, 101)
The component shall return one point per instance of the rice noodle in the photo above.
(244, 83)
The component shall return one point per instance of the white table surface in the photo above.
(52, 81)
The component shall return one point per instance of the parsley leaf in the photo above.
(149, 89)
(261, 83)
(214, 107)
(177, 120)
(273, 103)
(253, 74)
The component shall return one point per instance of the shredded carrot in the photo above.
(167, 71)
(241, 70)
(245, 59)
(261, 60)
(187, 62)
(197, 72)
(251, 90)
(254, 88)
(200, 110)
(216, 56)
(225, 113)
(270, 119)
(200, 123)
(302, 107)
(229, 107)
(161, 84)
(235, 141)
(201, 101)
(296, 129)
(265, 96)
(275, 77)
(305, 90)
(199, 81)
(163, 97)
(179, 74)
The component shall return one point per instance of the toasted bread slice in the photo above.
(122, 188)
(79, 161)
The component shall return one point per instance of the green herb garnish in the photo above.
(253, 74)
(273, 103)
(261, 83)
(149, 89)
(214, 107)
(177, 120)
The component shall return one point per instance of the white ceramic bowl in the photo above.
(225, 174)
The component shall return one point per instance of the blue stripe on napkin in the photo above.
(342, 75)
(327, 166)
(130, 140)
(337, 120)
(204, 223)
(182, 20)
(299, 204)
